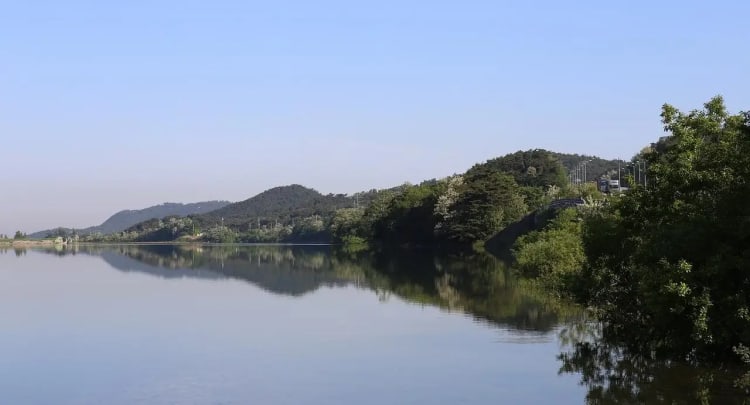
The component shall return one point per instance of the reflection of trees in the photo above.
(479, 285)
(16, 250)
(614, 375)
(279, 269)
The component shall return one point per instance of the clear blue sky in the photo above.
(113, 105)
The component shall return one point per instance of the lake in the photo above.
(307, 324)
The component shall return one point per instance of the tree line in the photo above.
(456, 211)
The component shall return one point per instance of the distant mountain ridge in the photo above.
(125, 219)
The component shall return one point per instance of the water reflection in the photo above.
(614, 375)
(479, 285)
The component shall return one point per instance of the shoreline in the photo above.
(49, 242)
(29, 243)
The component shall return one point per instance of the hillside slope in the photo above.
(279, 204)
(127, 218)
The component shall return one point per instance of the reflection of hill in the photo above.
(128, 264)
(279, 270)
(478, 285)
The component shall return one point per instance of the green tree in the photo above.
(376, 212)
(668, 264)
(346, 222)
(410, 216)
(554, 254)
(489, 200)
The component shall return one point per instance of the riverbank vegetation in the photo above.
(665, 266)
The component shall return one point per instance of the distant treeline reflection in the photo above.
(480, 285)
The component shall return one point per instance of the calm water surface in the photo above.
(294, 325)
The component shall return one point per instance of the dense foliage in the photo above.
(460, 210)
(537, 168)
(668, 264)
(555, 253)
(489, 200)
(409, 217)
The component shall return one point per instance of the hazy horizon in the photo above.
(112, 106)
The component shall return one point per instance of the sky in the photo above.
(107, 106)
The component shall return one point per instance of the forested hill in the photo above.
(127, 218)
(279, 204)
(281, 214)
(532, 168)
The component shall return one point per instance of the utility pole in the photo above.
(585, 177)
(582, 173)
(638, 162)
